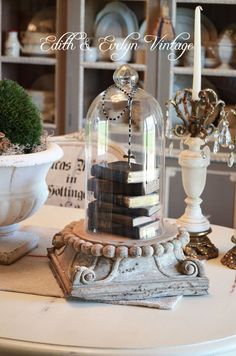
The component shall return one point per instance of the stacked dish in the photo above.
(42, 93)
(45, 102)
(115, 19)
(32, 43)
(118, 20)
(185, 23)
(40, 26)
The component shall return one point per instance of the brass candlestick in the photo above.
(202, 120)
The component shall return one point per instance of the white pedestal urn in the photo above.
(23, 190)
(194, 163)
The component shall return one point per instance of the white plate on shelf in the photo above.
(43, 96)
(185, 23)
(210, 28)
(34, 38)
(121, 7)
(35, 50)
(143, 29)
(206, 22)
(128, 15)
(111, 24)
(45, 82)
(42, 105)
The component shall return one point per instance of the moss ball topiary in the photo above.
(19, 117)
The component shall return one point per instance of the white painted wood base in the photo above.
(103, 267)
(200, 224)
(16, 244)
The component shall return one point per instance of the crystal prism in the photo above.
(216, 134)
(171, 148)
(230, 159)
(168, 130)
(203, 154)
(225, 135)
(216, 147)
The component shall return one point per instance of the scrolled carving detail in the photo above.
(191, 267)
(84, 275)
(58, 241)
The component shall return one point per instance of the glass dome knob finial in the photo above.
(125, 75)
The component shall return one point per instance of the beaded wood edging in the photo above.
(67, 237)
(105, 267)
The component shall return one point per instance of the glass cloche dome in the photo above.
(125, 161)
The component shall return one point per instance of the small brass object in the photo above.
(201, 247)
(229, 258)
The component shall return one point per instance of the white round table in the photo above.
(37, 325)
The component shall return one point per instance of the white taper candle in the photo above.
(197, 54)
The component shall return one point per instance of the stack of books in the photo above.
(127, 200)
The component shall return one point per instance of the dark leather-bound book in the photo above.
(121, 219)
(121, 171)
(107, 186)
(129, 201)
(116, 209)
(144, 232)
